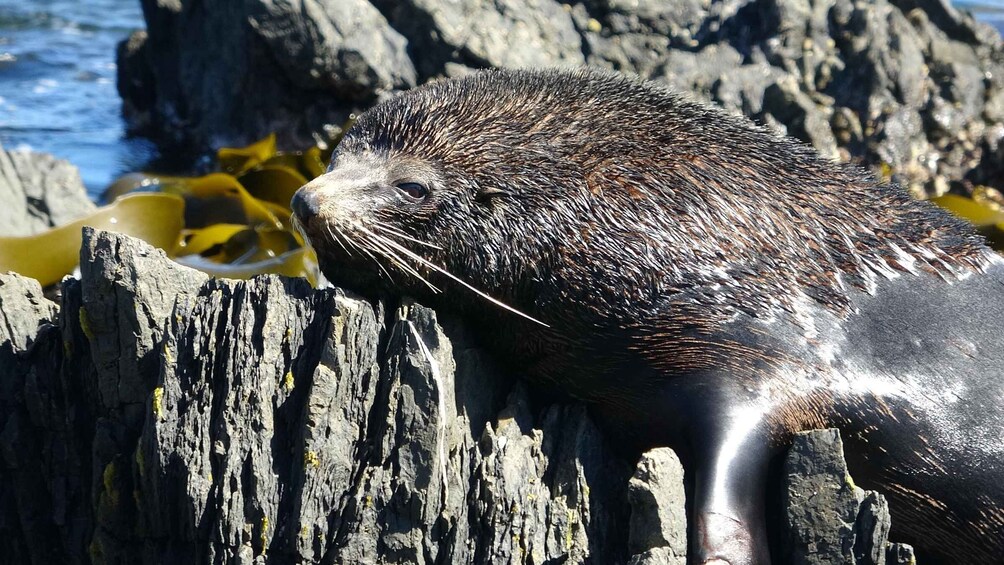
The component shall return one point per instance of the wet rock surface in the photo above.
(159, 416)
(911, 88)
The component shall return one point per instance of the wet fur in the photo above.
(699, 275)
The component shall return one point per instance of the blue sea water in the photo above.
(57, 84)
(990, 11)
(57, 81)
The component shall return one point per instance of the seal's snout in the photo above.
(305, 204)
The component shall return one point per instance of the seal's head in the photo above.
(480, 177)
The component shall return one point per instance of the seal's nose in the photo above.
(305, 204)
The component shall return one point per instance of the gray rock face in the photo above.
(658, 530)
(213, 74)
(912, 88)
(23, 311)
(829, 520)
(238, 421)
(343, 47)
(38, 191)
(124, 311)
(163, 417)
(482, 34)
(831, 490)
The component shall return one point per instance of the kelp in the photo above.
(297, 263)
(984, 209)
(273, 183)
(233, 223)
(978, 210)
(237, 161)
(51, 255)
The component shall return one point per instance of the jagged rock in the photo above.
(38, 452)
(829, 520)
(658, 530)
(900, 554)
(173, 418)
(239, 420)
(38, 191)
(871, 529)
(23, 310)
(124, 310)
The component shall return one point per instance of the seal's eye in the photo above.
(414, 190)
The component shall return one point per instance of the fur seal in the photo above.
(706, 284)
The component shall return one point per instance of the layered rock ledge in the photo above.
(160, 416)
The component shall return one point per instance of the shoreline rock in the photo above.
(911, 88)
(160, 416)
(38, 191)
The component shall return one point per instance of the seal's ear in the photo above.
(486, 194)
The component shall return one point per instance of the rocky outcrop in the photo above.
(913, 88)
(214, 74)
(38, 191)
(159, 416)
(828, 518)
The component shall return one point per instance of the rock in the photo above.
(38, 191)
(817, 480)
(285, 66)
(637, 35)
(479, 33)
(900, 554)
(163, 417)
(42, 518)
(128, 292)
(658, 529)
(698, 73)
(23, 311)
(245, 419)
(802, 117)
(829, 520)
(343, 47)
(956, 24)
(135, 82)
(871, 529)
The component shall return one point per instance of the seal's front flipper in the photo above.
(727, 500)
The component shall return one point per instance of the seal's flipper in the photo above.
(727, 505)
(726, 452)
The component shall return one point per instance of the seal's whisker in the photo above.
(384, 227)
(403, 264)
(400, 263)
(365, 249)
(338, 240)
(347, 243)
(423, 261)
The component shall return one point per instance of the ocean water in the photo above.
(990, 11)
(57, 84)
(57, 81)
